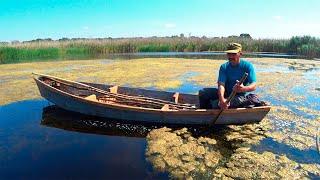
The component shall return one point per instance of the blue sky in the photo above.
(31, 19)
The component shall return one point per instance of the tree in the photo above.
(64, 39)
(233, 36)
(244, 35)
(297, 41)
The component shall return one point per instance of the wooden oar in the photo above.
(244, 77)
(135, 103)
(144, 99)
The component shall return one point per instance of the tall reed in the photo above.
(82, 48)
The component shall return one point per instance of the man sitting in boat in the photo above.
(229, 75)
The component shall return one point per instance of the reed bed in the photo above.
(80, 48)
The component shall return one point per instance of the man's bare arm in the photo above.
(221, 91)
(222, 100)
(241, 88)
(250, 87)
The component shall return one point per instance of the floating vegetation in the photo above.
(302, 66)
(252, 165)
(182, 155)
(162, 73)
(227, 154)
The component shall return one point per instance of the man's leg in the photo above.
(238, 101)
(206, 95)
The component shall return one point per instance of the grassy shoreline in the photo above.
(50, 50)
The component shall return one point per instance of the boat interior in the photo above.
(125, 95)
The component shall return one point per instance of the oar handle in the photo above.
(244, 77)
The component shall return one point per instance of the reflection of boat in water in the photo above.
(135, 104)
(53, 116)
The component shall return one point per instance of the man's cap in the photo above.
(234, 48)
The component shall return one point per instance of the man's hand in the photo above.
(223, 104)
(238, 88)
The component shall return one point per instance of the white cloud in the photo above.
(170, 25)
(85, 27)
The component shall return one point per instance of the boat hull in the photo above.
(131, 114)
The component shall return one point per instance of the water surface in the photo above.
(40, 141)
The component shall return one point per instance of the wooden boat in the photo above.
(139, 105)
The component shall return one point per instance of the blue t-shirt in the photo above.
(228, 74)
